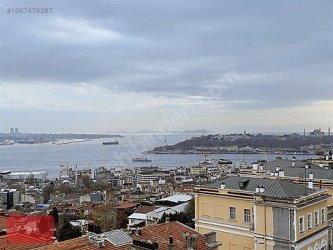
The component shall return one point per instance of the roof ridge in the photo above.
(188, 227)
(280, 182)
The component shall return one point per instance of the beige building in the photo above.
(257, 213)
(198, 170)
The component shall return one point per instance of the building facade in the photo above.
(256, 213)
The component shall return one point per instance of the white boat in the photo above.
(6, 142)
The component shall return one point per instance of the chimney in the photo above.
(261, 189)
(171, 246)
(257, 189)
(310, 184)
(167, 219)
(311, 176)
(210, 239)
(277, 169)
(293, 163)
(222, 186)
(281, 173)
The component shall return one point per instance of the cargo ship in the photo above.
(116, 142)
(141, 159)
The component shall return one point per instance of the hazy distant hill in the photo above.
(214, 142)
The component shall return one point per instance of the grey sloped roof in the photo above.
(273, 188)
(287, 163)
(118, 238)
(318, 173)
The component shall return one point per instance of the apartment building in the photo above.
(256, 213)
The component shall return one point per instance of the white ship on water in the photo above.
(6, 142)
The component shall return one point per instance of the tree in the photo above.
(104, 216)
(47, 191)
(185, 217)
(87, 182)
(67, 232)
(319, 151)
(190, 209)
(55, 215)
(181, 217)
(65, 189)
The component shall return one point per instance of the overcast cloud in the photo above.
(100, 66)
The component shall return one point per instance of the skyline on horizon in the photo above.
(167, 66)
(186, 131)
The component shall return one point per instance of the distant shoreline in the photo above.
(226, 153)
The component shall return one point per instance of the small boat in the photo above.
(116, 142)
(224, 162)
(141, 159)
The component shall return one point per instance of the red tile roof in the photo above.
(21, 246)
(3, 222)
(81, 243)
(143, 209)
(160, 234)
(126, 205)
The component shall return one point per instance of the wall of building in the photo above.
(212, 214)
(216, 208)
(310, 210)
(263, 220)
(230, 241)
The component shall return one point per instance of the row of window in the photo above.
(309, 222)
(233, 214)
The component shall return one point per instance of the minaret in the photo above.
(304, 133)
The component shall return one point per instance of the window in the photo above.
(247, 215)
(309, 221)
(301, 224)
(232, 213)
(323, 215)
(316, 218)
(205, 209)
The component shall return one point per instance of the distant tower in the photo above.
(16, 131)
(329, 131)
(304, 132)
(244, 133)
(11, 131)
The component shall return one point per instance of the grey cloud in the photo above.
(178, 48)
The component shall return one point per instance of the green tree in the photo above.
(67, 232)
(55, 215)
(190, 209)
(185, 217)
(47, 191)
(181, 217)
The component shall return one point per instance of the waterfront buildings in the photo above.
(256, 213)
(38, 176)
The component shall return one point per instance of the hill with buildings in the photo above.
(247, 143)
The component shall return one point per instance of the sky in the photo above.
(105, 66)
